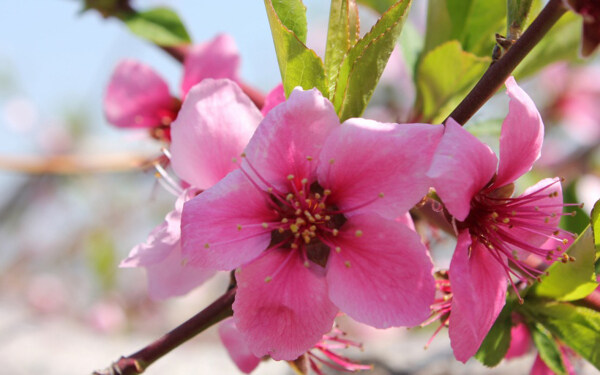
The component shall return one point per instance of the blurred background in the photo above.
(73, 201)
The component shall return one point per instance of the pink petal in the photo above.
(461, 166)
(407, 220)
(273, 98)
(478, 284)
(382, 278)
(540, 368)
(287, 315)
(161, 256)
(216, 59)
(222, 227)
(214, 125)
(520, 341)
(136, 96)
(521, 136)
(289, 134)
(238, 349)
(363, 158)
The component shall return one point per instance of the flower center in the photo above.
(519, 226)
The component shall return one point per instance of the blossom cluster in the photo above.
(312, 215)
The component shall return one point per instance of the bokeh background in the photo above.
(65, 306)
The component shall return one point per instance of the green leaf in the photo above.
(577, 223)
(299, 65)
(595, 223)
(560, 43)
(363, 64)
(161, 26)
(411, 43)
(292, 14)
(473, 23)
(572, 280)
(548, 349)
(578, 327)
(343, 32)
(379, 6)
(496, 343)
(444, 77)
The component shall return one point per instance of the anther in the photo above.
(304, 181)
(326, 192)
(358, 233)
(290, 177)
(335, 232)
(289, 197)
(206, 245)
(347, 264)
(505, 220)
(380, 195)
(331, 161)
(234, 160)
(243, 155)
(338, 249)
(268, 279)
(284, 220)
(309, 158)
(265, 225)
(294, 228)
(306, 264)
(239, 227)
(294, 246)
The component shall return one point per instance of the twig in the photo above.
(73, 164)
(498, 72)
(137, 362)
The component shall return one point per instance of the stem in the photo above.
(498, 72)
(139, 361)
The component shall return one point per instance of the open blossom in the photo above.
(137, 97)
(496, 232)
(310, 220)
(202, 149)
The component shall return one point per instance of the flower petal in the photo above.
(521, 136)
(478, 284)
(363, 158)
(461, 166)
(222, 227)
(238, 349)
(216, 59)
(289, 134)
(273, 98)
(136, 97)
(287, 315)
(214, 125)
(520, 341)
(383, 277)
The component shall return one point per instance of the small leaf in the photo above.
(299, 65)
(548, 348)
(363, 64)
(343, 32)
(560, 43)
(496, 343)
(473, 23)
(596, 227)
(444, 77)
(161, 26)
(572, 280)
(578, 327)
(379, 6)
(292, 14)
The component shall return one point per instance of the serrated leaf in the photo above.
(343, 32)
(161, 26)
(595, 224)
(560, 43)
(363, 64)
(299, 65)
(577, 223)
(473, 23)
(572, 280)
(292, 14)
(548, 349)
(444, 77)
(578, 327)
(496, 343)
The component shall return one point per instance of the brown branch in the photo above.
(74, 164)
(498, 72)
(139, 361)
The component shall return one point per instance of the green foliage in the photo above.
(496, 343)
(577, 223)
(101, 258)
(377, 5)
(362, 66)
(548, 349)
(161, 26)
(560, 43)
(578, 327)
(444, 77)
(299, 65)
(292, 14)
(343, 32)
(572, 280)
(518, 13)
(595, 223)
(473, 23)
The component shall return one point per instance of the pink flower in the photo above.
(309, 218)
(590, 11)
(137, 97)
(202, 147)
(493, 227)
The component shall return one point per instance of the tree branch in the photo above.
(498, 72)
(137, 362)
